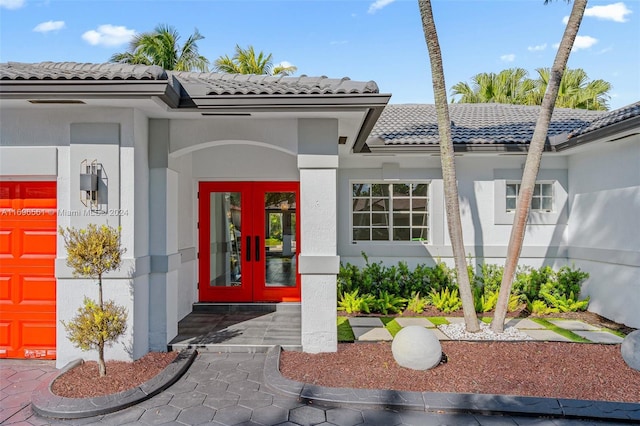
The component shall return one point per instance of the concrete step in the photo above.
(225, 308)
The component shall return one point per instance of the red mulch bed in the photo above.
(85, 382)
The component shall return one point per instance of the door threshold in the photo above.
(222, 308)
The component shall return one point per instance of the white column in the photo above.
(319, 263)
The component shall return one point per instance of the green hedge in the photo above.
(376, 287)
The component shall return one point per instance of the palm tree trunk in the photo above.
(532, 164)
(452, 204)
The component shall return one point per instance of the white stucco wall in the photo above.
(109, 136)
(604, 230)
(485, 236)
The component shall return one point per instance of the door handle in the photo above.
(257, 248)
(247, 254)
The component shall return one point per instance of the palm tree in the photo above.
(509, 86)
(532, 165)
(160, 47)
(245, 61)
(452, 204)
(576, 91)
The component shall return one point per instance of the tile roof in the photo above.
(613, 117)
(195, 83)
(239, 84)
(79, 71)
(474, 123)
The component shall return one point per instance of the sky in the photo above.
(379, 40)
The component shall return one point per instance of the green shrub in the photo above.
(446, 300)
(386, 303)
(416, 303)
(541, 308)
(352, 303)
(564, 303)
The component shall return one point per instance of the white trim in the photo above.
(430, 211)
(309, 161)
(204, 145)
(317, 264)
(560, 197)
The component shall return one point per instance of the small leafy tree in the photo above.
(91, 253)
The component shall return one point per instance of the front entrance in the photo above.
(248, 241)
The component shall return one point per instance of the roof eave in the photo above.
(92, 89)
(613, 131)
(283, 101)
(458, 148)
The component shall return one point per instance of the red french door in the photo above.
(248, 241)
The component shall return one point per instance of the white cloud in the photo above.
(584, 42)
(616, 12)
(45, 27)
(12, 4)
(581, 42)
(108, 35)
(379, 4)
(284, 64)
(508, 58)
(537, 48)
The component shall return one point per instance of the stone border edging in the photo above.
(46, 403)
(451, 402)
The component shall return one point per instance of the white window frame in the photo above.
(429, 201)
(540, 196)
(559, 180)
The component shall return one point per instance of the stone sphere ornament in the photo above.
(630, 350)
(416, 348)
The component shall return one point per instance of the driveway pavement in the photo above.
(244, 389)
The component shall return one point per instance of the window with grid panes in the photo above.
(390, 211)
(542, 200)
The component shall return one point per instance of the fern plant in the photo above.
(539, 307)
(446, 300)
(352, 303)
(387, 302)
(564, 303)
(416, 303)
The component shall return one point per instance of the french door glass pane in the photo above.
(280, 239)
(225, 239)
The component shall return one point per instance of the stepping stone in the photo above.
(440, 335)
(367, 334)
(422, 322)
(523, 324)
(573, 325)
(600, 336)
(546, 335)
(365, 322)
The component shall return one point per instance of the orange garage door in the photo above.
(27, 280)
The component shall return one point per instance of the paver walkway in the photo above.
(368, 329)
(230, 389)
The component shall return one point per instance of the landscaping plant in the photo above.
(91, 253)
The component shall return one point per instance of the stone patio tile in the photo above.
(422, 322)
(365, 322)
(523, 324)
(440, 335)
(574, 325)
(546, 335)
(368, 334)
(600, 336)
